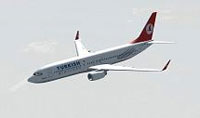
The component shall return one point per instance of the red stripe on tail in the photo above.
(147, 32)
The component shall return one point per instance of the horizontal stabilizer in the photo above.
(161, 42)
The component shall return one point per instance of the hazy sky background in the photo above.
(37, 32)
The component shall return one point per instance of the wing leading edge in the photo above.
(108, 67)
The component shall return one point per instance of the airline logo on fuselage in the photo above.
(69, 65)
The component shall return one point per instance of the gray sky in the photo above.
(38, 32)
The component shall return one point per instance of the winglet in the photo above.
(77, 35)
(165, 67)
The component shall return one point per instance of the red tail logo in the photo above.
(147, 32)
(149, 29)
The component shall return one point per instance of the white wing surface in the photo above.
(108, 67)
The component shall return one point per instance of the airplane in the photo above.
(97, 64)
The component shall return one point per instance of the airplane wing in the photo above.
(108, 67)
(80, 48)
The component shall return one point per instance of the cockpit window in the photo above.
(37, 73)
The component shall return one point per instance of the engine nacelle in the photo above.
(96, 75)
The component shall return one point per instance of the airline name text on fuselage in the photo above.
(69, 65)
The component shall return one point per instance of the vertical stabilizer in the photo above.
(147, 32)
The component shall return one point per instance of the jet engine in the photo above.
(96, 75)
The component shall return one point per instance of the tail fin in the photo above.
(147, 32)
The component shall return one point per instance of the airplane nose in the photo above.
(32, 79)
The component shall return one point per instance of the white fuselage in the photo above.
(81, 64)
